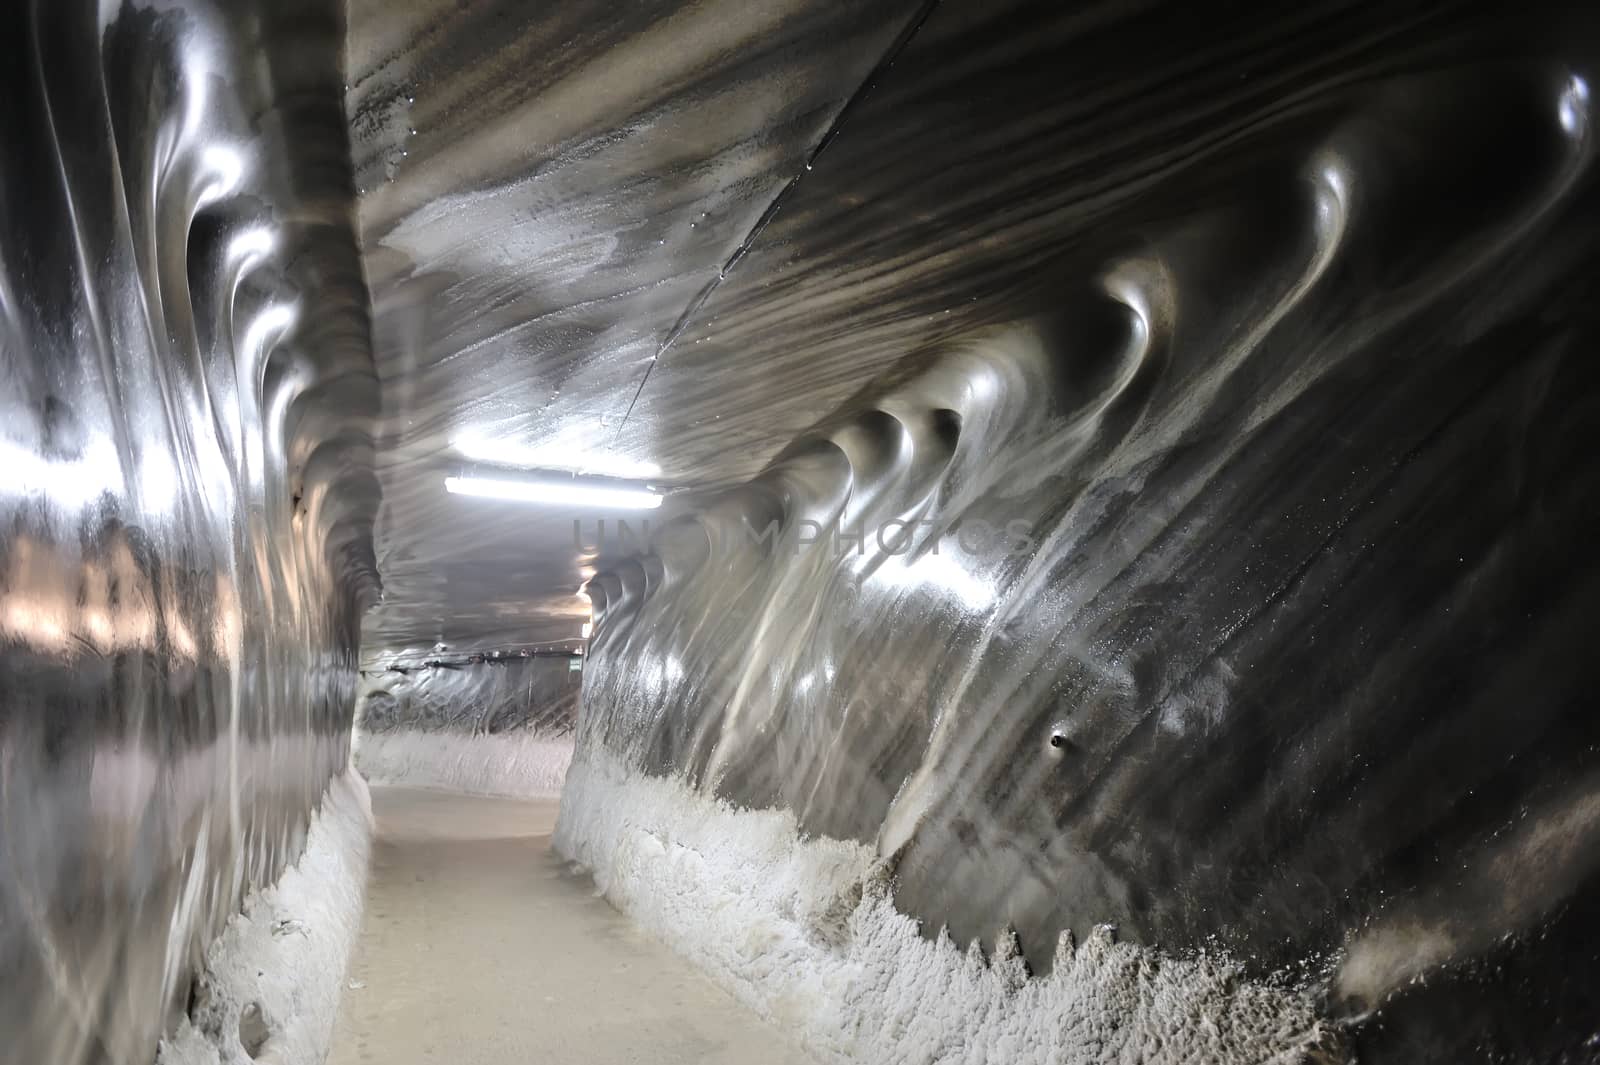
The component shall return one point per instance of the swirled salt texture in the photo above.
(1126, 464)
(186, 493)
(1221, 573)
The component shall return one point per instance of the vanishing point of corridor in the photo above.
(482, 947)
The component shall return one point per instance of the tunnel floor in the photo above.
(480, 947)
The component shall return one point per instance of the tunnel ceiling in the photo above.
(680, 236)
(548, 195)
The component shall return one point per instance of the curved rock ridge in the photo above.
(186, 492)
(1237, 600)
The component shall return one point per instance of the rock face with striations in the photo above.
(187, 398)
(1124, 466)
(1208, 552)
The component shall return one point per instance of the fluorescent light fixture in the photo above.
(571, 493)
(576, 459)
(588, 627)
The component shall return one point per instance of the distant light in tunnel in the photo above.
(572, 493)
(588, 627)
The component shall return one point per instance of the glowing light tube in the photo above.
(571, 493)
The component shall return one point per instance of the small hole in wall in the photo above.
(1057, 740)
(253, 1029)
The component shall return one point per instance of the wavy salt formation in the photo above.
(1230, 596)
(1120, 590)
(186, 494)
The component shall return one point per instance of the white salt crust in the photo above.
(283, 960)
(517, 764)
(805, 932)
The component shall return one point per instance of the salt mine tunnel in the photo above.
(779, 531)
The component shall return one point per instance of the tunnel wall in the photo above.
(1235, 597)
(186, 493)
(496, 725)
